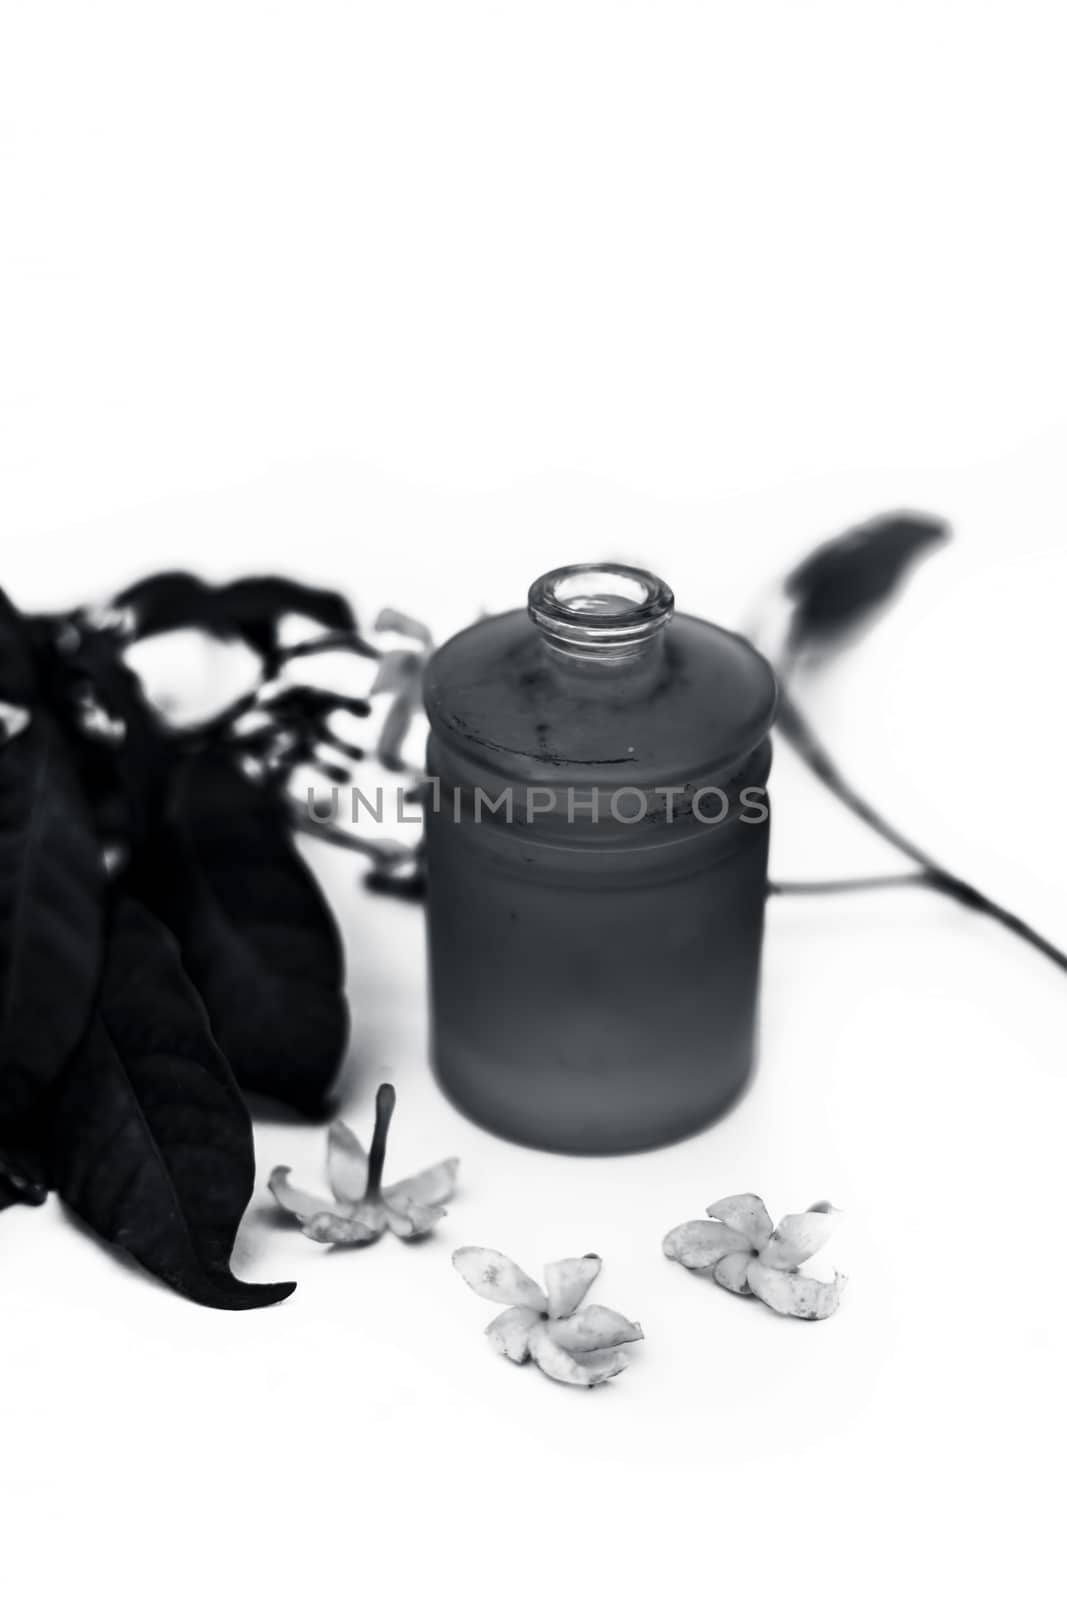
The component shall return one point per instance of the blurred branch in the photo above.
(796, 728)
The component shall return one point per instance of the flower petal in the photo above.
(746, 1213)
(346, 1163)
(569, 1281)
(565, 1368)
(509, 1334)
(701, 1244)
(297, 1202)
(797, 1237)
(358, 1224)
(594, 1328)
(732, 1272)
(430, 1187)
(793, 1294)
(408, 1219)
(494, 1277)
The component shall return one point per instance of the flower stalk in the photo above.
(384, 1106)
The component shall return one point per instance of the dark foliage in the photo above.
(50, 893)
(251, 608)
(256, 935)
(18, 679)
(121, 1089)
(132, 764)
(151, 1143)
(844, 581)
(23, 1180)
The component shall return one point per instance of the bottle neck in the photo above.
(601, 617)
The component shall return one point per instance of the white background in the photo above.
(419, 300)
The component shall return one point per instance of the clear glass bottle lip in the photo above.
(600, 610)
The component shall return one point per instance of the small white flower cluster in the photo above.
(747, 1254)
(569, 1341)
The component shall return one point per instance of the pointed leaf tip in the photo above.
(151, 1143)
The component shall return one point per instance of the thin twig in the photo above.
(966, 895)
(325, 643)
(888, 880)
(811, 750)
(809, 747)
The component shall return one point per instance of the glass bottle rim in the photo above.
(600, 609)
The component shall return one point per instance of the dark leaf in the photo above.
(18, 679)
(302, 703)
(129, 772)
(251, 608)
(256, 935)
(168, 600)
(51, 884)
(23, 1180)
(255, 606)
(846, 579)
(151, 1142)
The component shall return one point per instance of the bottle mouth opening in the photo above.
(600, 610)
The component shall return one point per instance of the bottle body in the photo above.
(597, 881)
(595, 1000)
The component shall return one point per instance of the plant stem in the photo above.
(888, 880)
(326, 643)
(966, 895)
(384, 1106)
(796, 728)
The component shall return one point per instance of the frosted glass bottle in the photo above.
(597, 860)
